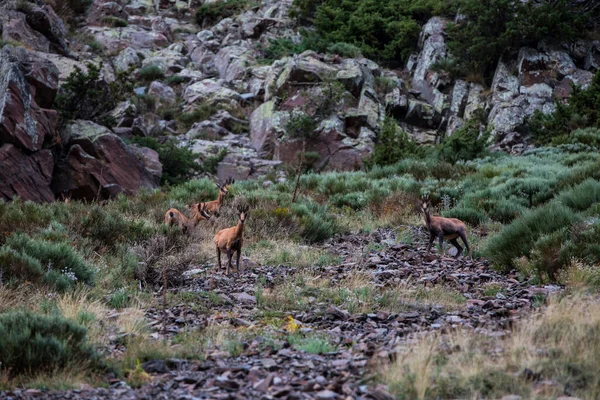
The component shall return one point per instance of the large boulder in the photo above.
(99, 165)
(433, 48)
(25, 176)
(232, 61)
(337, 151)
(266, 126)
(26, 82)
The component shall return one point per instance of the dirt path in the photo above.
(445, 295)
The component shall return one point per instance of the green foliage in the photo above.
(311, 344)
(214, 12)
(393, 145)
(344, 49)
(23, 258)
(201, 113)
(582, 111)
(179, 163)
(519, 238)
(175, 80)
(109, 228)
(467, 143)
(119, 299)
(491, 29)
(33, 343)
(115, 22)
(151, 73)
(85, 95)
(385, 30)
(301, 125)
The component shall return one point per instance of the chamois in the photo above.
(175, 217)
(231, 240)
(215, 205)
(444, 228)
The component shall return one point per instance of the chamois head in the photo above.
(243, 210)
(425, 204)
(202, 211)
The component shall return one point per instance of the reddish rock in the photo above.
(104, 169)
(26, 176)
(23, 80)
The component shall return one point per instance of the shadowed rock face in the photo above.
(27, 86)
(94, 162)
(98, 164)
(26, 176)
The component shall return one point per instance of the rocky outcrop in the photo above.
(35, 26)
(99, 165)
(25, 176)
(27, 89)
(25, 81)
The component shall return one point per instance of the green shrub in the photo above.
(109, 227)
(85, 95)
(176, 80)
(393, 145)
(587, 136)
(469, 215)
(518, 238)
(33, 343)
(39, 261)
(179, 163)
(115, 22)
(384, 30)
(151, 73)
(582, 196)
(200, 113)
(492, 29)
(344, 49)
(214, 12)
(467, 143)
(582, 111)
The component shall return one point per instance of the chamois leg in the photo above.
(441, 240)
(463, 236)
(431, 239)
(458, 247)
(237, 262)
(219, 257)
(229, 255)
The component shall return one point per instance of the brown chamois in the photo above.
(231, 240)
(215, 205)
(175, 217)
(444, 228)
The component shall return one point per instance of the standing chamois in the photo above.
(231, 240)
(444, 228)
(215, 205)
(175, 217)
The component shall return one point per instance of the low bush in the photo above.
(115, 22)
(467, 143)
(392, 146)
(200, 113)
(151, 73)
(23, 258)
(210, 13)
(33, 344)
(179, 163)
(518, 238)
(86, 95)
(580, 112)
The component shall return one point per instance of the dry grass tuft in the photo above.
(560, 346)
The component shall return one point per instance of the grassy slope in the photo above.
(125, 244)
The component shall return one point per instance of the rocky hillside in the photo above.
(213, 88)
